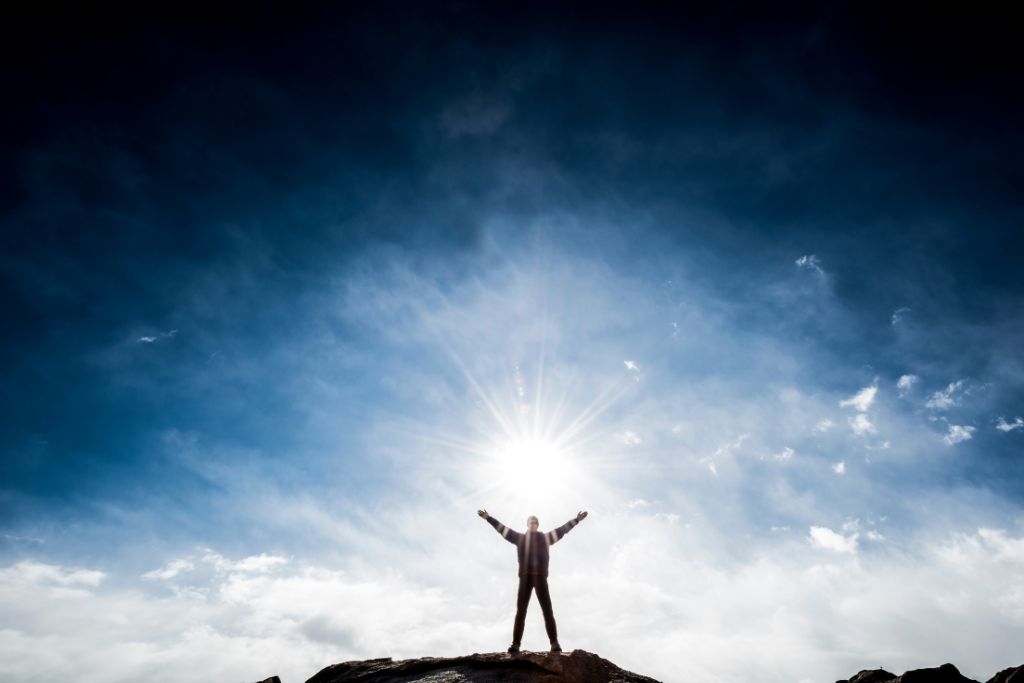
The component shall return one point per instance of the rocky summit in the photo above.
(947, 673)
(577, 666)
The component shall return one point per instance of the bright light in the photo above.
(531, 470)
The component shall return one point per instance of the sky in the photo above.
(290, 292)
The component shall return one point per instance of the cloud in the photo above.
(631, 438)
(24, 539)
(945, 399)
(957, 434)
(171, 570)
(905, 383)
(151, 339)
(861, 425)
(823, 537)
(839, 467)
(1004, 426)
(724, 451)
(862, 400)
(41, 574)
(823, 425)
(633, 368)
(810, 262)
(293, 622)
(898, 314)
(785, 454)
(257, 564)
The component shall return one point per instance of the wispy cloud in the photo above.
(42, 574)
(17, 538)
(631, 438)
(839, 467)
(862, 400)
(810, 262)
(633, 369)
(861, 425)
(784, 455)
(958, 434)
(905, 383)
(899, 314)
(152, 339)
(823, 537)
(1004, 426)
(171, 570)
(944, 399)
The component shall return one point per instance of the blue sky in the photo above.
(284, 306)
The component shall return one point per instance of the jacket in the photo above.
(532, 547)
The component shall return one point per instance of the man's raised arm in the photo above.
(556, 535)
(506, 533)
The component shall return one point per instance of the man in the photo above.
(533, 572)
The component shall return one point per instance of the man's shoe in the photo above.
(513, 649)
(555, 647)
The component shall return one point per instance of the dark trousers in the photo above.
(526, 586)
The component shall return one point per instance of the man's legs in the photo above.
(522, 602)
(544, 597)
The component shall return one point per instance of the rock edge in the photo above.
(578, 666)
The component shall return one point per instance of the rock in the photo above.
(947, 673)
(871, 676)
(272, 679)
(578, 666)
(1011, 675)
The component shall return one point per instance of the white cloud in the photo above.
(24, 539)
(862, 400)
(149, 339)
(785, 454)
(957, 434)
(905, 383)
(823, 425)
(171, 570)
(810, 262)
(47, 574)
(946, 398)
(1004, 426)
(257, 564)
(898, 314)
(913, 605)
(631, 438)
(637, 503)
(724, 451)
(861, 425)
(839, 467)
(631, 365)
(823, 537)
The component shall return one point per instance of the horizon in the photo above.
(289, 297)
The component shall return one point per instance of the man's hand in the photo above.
(483, 513)
(581, 515)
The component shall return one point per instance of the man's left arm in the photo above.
(556, 535)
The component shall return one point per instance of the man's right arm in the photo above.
(506, 533)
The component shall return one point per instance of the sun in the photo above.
(530, 471)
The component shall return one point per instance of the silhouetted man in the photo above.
(533, 572)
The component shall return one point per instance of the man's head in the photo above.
(532, 523)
